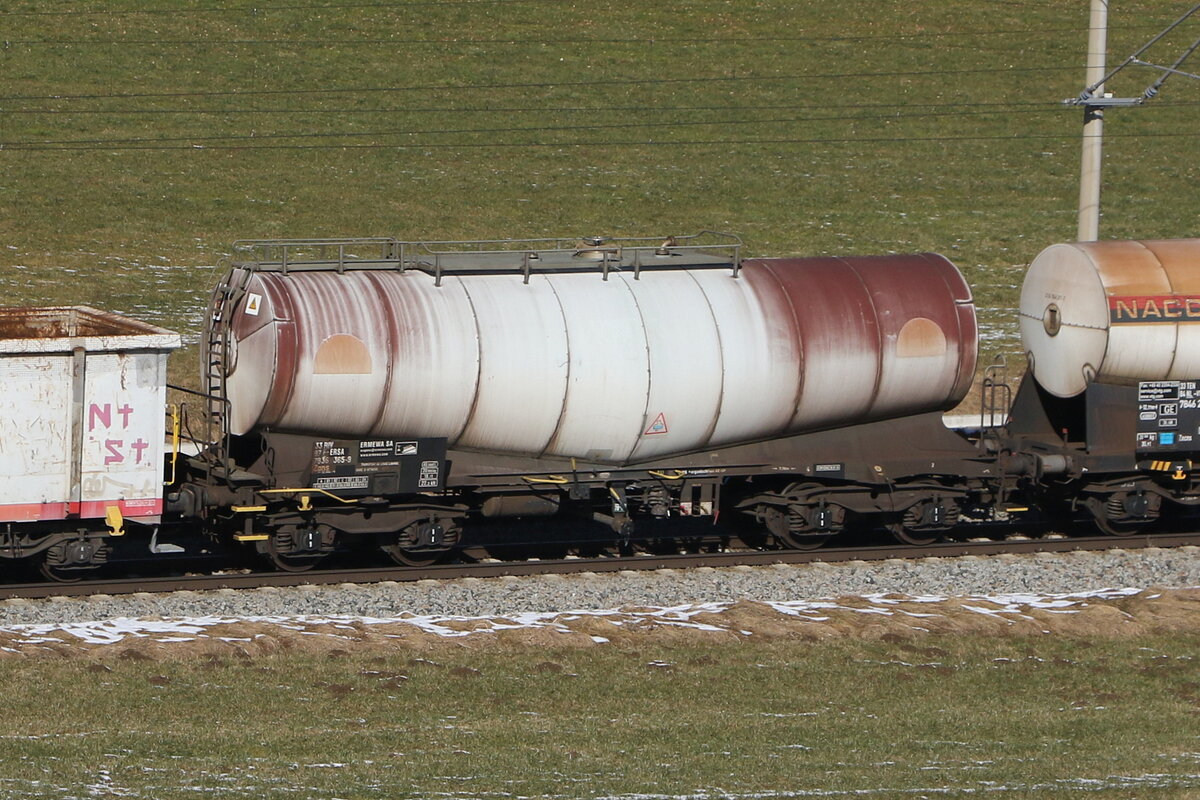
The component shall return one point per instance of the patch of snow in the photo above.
(190, 629)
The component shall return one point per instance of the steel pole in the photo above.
(1093, 126)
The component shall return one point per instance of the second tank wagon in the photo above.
(1112, 312)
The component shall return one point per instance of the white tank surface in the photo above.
(1114, 311)
(609, 352)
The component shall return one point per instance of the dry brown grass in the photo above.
(894, 618)
(1106, 704)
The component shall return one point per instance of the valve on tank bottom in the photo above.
(618, 517)
(657, 501)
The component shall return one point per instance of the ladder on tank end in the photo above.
(995, 403)
(225, 298)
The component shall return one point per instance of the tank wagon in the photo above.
(412, 398)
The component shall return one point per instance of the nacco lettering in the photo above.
(1154, 308)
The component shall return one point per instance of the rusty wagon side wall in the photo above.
(81, 414)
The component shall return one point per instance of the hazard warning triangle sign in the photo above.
(658, 426)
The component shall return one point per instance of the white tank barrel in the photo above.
(1114, 311)
(622, 362)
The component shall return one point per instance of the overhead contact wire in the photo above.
(517, 129)
(546, 84)
(646, 40)
(647, 143)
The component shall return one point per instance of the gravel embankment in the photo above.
(969, 575)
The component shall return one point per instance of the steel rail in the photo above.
(495, 569)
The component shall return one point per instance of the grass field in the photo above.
(136, 144)
(935, 717)
(139, 139)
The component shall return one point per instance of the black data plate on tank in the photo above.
(358, 467)
(1168, 416)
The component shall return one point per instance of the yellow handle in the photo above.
(304, 495)
(555, 479)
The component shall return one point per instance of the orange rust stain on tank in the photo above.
(919, 337)
(342, 354)
(1127, 268)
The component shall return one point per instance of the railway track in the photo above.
(493, 569)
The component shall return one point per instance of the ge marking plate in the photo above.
(1168, 416)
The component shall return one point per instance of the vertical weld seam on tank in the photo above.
(878, 331)
(470, 415)
(562, 412)
(1089, 254)
(391, 344)
(283, 382)
(801, 342)
(294, 331)
(716, 417)
(971, 351)
(649, 375)
(361, 283)
(961, 372)
(1174, 328)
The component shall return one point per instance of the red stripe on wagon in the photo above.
(91, 509)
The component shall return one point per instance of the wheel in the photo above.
(59, 574)
(420, 544)
(1123, 513)
(1118, 528)
(805, 541)
(908, 536)
(663, 547)
(283, 548)
(72, 561)
(925, 522)
(289, 562)
(793, 529)
(413, 558)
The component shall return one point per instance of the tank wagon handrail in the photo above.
(574, 243)
(212, 446)
(280, 253)
(995, 403)
(706, 248)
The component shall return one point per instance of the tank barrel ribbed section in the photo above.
(604, 352)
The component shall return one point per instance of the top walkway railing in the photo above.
(523, 256)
